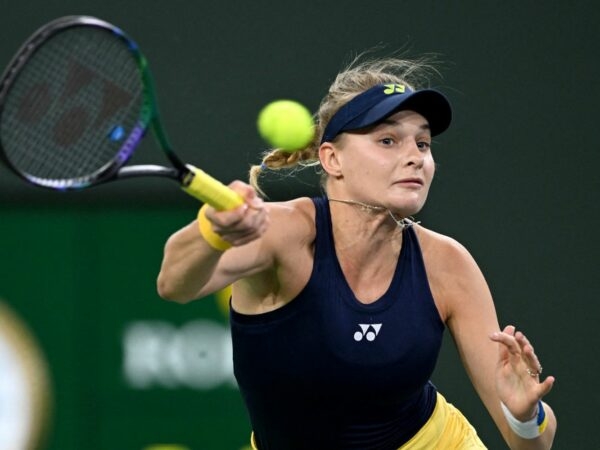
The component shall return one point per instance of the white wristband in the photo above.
(530, 429)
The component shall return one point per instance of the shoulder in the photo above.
(441, 250)
(453, 274)
(291, 221)
(299, 212)
(299, 208)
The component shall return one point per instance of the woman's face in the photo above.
(390, 164)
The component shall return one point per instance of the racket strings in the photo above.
(71, 108)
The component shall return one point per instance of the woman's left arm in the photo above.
(500, 364)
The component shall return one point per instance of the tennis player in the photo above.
(339, 303)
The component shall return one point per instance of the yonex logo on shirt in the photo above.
(369, 331)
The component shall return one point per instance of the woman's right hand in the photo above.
(243, 224)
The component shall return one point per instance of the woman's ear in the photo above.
(330, 158)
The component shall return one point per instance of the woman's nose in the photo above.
(414, 154)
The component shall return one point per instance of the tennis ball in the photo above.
(286, 125)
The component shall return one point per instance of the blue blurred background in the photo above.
(517, 184)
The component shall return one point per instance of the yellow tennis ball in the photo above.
(286, 125)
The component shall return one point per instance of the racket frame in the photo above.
(148, 117)
(193, 181)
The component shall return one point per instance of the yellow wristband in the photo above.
(212, 238)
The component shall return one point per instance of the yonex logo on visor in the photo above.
(394, 89)
(381, 101)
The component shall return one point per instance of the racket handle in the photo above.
(209, 190)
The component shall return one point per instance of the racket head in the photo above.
(75, 102)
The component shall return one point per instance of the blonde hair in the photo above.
(360, 75)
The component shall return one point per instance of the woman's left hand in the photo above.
(518, 374)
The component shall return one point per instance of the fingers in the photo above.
(507, 338)
(253, 225)
(518, 344)
(517, 351)
(529, 356)
(244, 224)
(248, 193)
(546, 386)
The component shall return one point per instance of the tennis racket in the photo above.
(75, 102)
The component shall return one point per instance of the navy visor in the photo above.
(381, 101)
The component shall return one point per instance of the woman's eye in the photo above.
(387, 141)
(424, 145)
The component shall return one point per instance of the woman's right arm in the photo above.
(191, 268)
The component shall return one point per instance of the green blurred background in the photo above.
(517, 184)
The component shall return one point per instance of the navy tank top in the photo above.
(326, 371)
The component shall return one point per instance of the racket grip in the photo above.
(210, 190)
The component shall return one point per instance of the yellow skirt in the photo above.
(446, 429)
